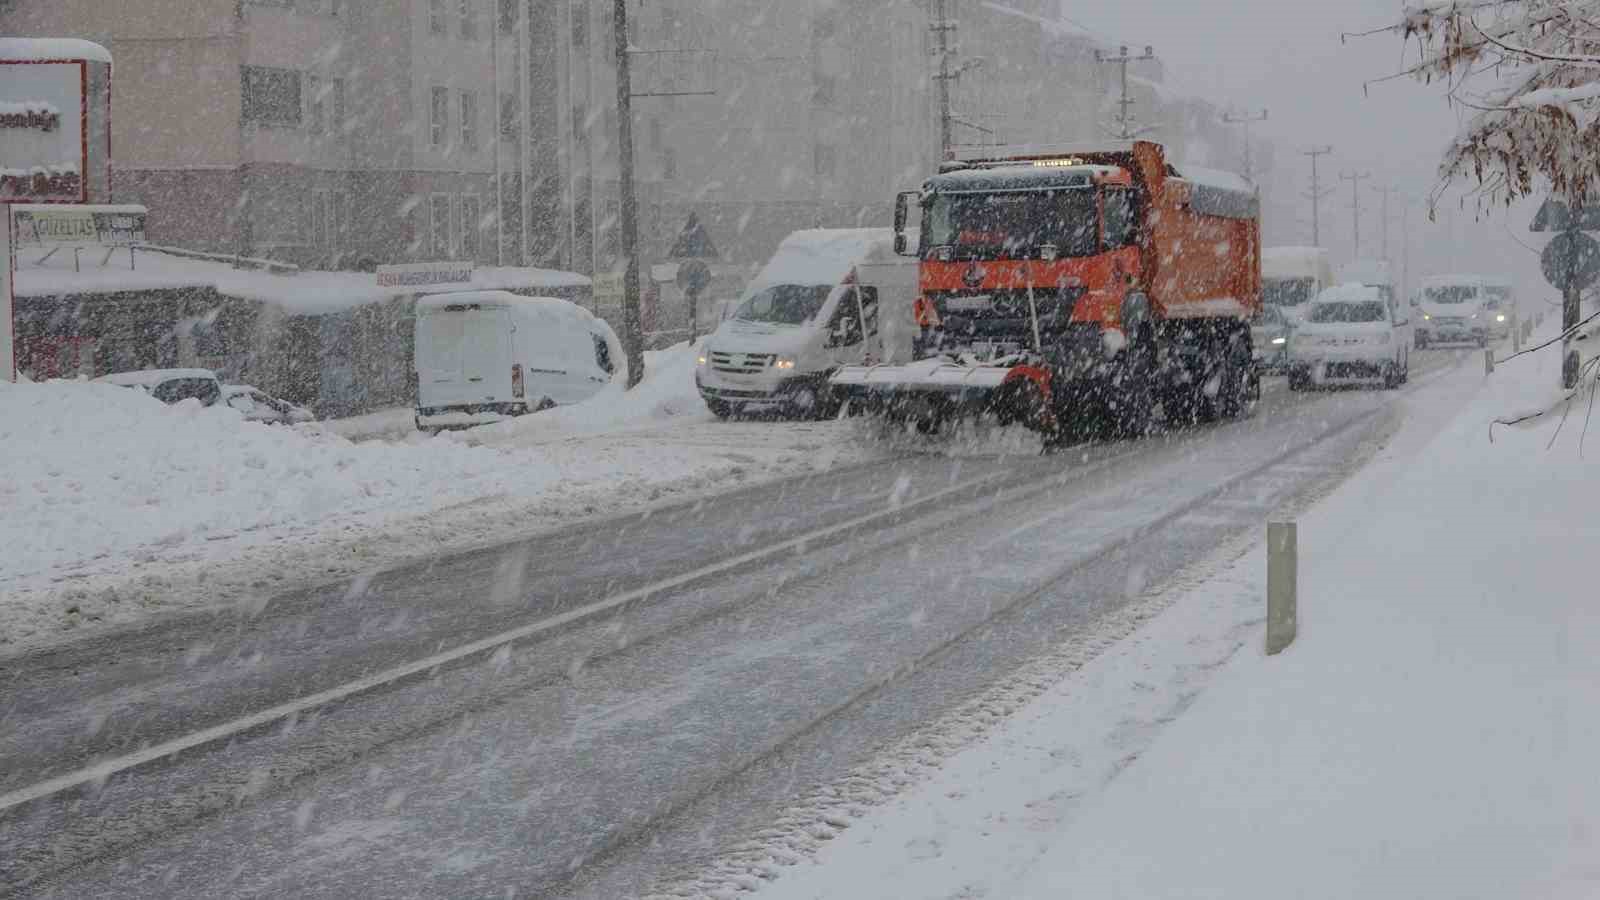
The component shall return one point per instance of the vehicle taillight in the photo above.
(516, 379)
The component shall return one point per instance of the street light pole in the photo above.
(632, 335)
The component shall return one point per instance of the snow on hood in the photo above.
(821, 256)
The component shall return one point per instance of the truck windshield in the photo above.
(1288, 291)
(1000, 225)
(1451, 293)
(784, 304)
(1365, 311)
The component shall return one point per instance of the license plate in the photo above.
(967, 304)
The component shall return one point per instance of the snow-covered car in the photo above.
(257, 406)
(1270, 333)
(1451, 311)
(1350, 335)
(171, 385)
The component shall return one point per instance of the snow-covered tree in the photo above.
(1530, 70)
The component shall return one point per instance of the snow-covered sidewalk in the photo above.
(1430, 734)
(118, 507)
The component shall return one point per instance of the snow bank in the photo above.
(118, 507)
(1431, 733)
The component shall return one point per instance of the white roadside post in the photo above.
(1488, 361)
(1283, 574)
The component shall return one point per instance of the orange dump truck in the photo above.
(1075, 290)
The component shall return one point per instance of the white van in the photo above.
(828, 297)
(1292, 277)
(1449, 310)
(485, 356)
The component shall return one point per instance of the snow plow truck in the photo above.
(1075, 291)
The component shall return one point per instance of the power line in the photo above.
(1125, 116)
(1355, 179)
(1246, 120)
(1317, 193)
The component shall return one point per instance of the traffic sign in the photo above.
(1571, 261)
(1556, 215)
(693, 276)
(693, 242)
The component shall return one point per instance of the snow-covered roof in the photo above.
(1457, 278)
(501, 299)
(305, 292)
(1216, 178)
(152, 377)
(1349, 293)
(1366, 271)
(52, 48)
(1290, 262)
(822, 255)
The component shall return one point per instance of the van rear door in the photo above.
(463, 356)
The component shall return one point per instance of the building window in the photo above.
(471, 226)
(469, 120)
(509, 117)
(338, 123)
(439, 225)
(508, 16)
(436, 20)
(439, 116)
(469, 20)
(826, 159)
(270, 96)
(314, 117)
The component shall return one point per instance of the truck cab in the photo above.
(1450, 311)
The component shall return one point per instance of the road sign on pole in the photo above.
(1571, 261)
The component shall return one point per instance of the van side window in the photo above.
(845, 327)
(602, 354)
(1120, 230)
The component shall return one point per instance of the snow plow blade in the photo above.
(931, 392)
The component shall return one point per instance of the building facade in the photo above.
(328, 133)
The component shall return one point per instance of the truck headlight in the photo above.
(1427, 318)
(700, 361)
(783, 363)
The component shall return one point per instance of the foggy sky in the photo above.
(1286, 55)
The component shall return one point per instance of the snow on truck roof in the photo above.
(823, 256)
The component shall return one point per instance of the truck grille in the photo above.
(741, 363)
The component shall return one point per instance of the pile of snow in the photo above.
(118, 507)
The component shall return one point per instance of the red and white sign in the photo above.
(55, 121)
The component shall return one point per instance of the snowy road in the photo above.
(677, 676)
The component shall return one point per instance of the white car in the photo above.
(1350, 335)
(171, 385)
(256, 406)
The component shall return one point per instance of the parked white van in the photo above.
(485, 356)
(828, 297)
(1450, 310)
(1292, 277)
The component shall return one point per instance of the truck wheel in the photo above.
(719, 409)
(1238, 388)
(1134, 395)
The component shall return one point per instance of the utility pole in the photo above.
(1245, 119)
(1125, 117)
(942, 28)
(1385, 190)
(632, 335)
(1355, 179)
(1317, 193)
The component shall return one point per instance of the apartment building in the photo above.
(329, 133)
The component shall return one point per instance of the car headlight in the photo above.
(1474, 315)
(1427, 318)
(700, 361)
(782, 363)
(1278, 341)
(1500, 318)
